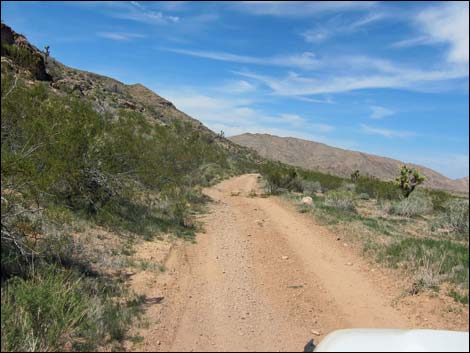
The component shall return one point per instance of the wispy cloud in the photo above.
(378, 112)
(129, 10)
(363, 74)
(306, 60)
(237, 115)
(411, 42)
(237, 87)
(120, 36)
(389, 133)
(337, 26)
(446, 23)
(327, 100)
(145, 16)
(299, 8)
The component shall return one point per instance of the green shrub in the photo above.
(444, 260)
(379, 189)
(22, 56)
(53, 306)
(311, 187)
(281, 177)
(363, 196)
(342, 200)
(418, 203)
(327, 181)
(349, 187)
(461, 298)
(62, 161)
(211, 173)
(43, 313)
(455, 217)
(439, 198)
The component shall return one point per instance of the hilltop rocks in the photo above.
(31, 58)
(307, 200)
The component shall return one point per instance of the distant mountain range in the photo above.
(318, 156)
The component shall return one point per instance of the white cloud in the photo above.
(370, 18)
(299, 8)
(411, 42)
(128, 10)
(333, 28)
(327, 100)
(306, 60)
(150, 17)
(389, 133)
(236, 115)
(120, 36)
(335, 74)
(361, 73)
(446, 23)
(379, 112)
(238, 87)
(316, 35)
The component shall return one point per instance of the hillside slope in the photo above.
(106, 94)
(90, 168)
(318, 156)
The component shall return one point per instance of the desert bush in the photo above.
(43, 313)
(349, 187)
(281, 177)
(439, 198)
(455, 217)
(363, 196)
(62, 161)
(52, 306)
(342, 200)
(379, 189)
(438, 260)
(293, 183)
(211, 173)
(327, 181)
(21, 56)
(418, 203)
(311, 187)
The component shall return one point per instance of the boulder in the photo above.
(307, 200)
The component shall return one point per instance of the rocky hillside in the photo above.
(106, 94)
(318, 156)
(463, 183)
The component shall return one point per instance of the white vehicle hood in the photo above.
(387, 340)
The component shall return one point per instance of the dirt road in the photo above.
(264, 277)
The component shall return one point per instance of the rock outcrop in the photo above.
(33, 59)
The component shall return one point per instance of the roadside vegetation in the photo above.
(399, 224)
(67, 171)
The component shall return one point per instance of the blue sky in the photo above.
(387, 78)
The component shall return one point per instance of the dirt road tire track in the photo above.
(263, 277)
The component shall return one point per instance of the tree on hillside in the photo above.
(355, 175)
(409, 179)
(46, 52)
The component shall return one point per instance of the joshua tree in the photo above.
(408, 180)
(355, 175)
(46, 51)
